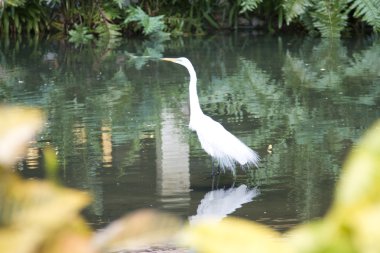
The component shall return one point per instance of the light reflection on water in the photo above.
(120, 126)
(173, 167)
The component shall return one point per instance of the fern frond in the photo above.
(110, 13)
(307, 22)
(135, 14)
(294, 8)
(120, 3)
(249, 5)
(368, 10)
(15, 3)
(108, 30)
(151, 26)
(330, 17)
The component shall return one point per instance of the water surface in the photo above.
(119, 123)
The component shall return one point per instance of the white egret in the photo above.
(220, 144)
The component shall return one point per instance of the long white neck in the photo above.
(195, 108)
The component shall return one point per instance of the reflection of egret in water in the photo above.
(217, 204)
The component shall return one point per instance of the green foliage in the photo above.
(16, 3)
(80, 35)
(330, 17)
(175, 25)
(109, 32)
(111, 19)
(368, 10)
(150, 26)
(295, 8)
(120, 3)
(24, 17)
(249, 5)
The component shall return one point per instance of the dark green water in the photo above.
(119, 124)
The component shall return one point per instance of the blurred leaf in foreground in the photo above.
(233, 235)
(18, 126)
(357, 200)
(360, 183)
(74, 237)
(319, 236)
(138, 230)
(33, 212)
(352, 224)
(35, 216)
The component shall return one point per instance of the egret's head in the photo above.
(181, 60)
(186, 63)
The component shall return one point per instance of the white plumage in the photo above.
(219, 203)
(220, 144)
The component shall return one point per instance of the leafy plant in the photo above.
(249, 5)
(330, 17)
(368, 10)
(80, 35)
(295, 8)
(16, 3)
(24, 17)
(107, 29)
(111, 19)
(150, 26)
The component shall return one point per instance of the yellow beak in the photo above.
(169, 59)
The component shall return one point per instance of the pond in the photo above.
(119, 123)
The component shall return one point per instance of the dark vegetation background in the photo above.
(84, 21)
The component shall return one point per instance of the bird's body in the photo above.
(213, 138)
(220, 144)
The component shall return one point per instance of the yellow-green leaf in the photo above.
(352, 224)
(319, 236)
(360, 181)
(366, 232)
(73, 237)
(32, 211)
(140, 229)
(233, 235)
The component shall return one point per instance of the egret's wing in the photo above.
(223, 145)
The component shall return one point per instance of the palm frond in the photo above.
(368, 11)
(307, 22)
(16, 3)
(151, 26)
(121, 3)
(294, 8)
(330, 17)
(249, 5)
